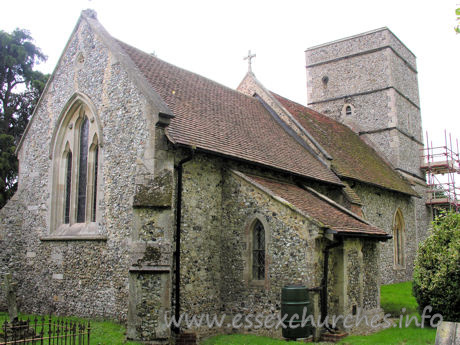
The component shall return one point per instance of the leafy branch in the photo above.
(457, 13)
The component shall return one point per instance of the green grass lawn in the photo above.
(102, 332)
(395, 336)
(394, 297)
(244, 339)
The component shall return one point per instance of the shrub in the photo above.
(437, 268)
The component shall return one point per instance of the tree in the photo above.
(20, 89)
(437, 268)
(457, 28)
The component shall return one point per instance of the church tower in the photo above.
(369, 82)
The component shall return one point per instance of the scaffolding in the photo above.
(442, 167)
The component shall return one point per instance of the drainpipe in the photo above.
(179, 168)
(324, 280)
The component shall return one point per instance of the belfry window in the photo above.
(76, 166)
(258, 251)
(348, 110)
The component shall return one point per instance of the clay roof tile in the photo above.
(215, 118)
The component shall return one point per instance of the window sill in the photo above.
(75, 232)
(74, 238)
(399, 267)
(257, 283)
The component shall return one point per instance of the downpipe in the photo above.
(179, 168)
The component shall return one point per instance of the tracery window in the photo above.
(398, 239)
(76, 160)
(258, 251)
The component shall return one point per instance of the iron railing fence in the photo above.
(45, 331)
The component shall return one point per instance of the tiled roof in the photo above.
(351, 194)
(215, 118)
(317, 207)
(352, 157)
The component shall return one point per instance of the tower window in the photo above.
(348, 110)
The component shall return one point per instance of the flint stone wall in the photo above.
(86, 278)
(377, 74)
(379, 207)
(92, 278)
(219, 208)
(353, 282)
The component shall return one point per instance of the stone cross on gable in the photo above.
(249, 58)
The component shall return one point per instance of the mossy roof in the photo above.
(318, 207)
(352, 157)
(215, 118)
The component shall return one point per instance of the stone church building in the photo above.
(146, 190)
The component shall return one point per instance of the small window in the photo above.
(258, 251)
(398, 239)
(348, 110)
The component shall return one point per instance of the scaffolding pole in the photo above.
(442, 167)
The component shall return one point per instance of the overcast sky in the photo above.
(212, 37)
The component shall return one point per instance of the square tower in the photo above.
(369, 82)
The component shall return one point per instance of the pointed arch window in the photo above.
(258, 251)
(76, 165)
(94, 151)
(82, 171)
(398, 239)
(68, 186)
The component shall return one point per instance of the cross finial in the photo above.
(249, 58)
